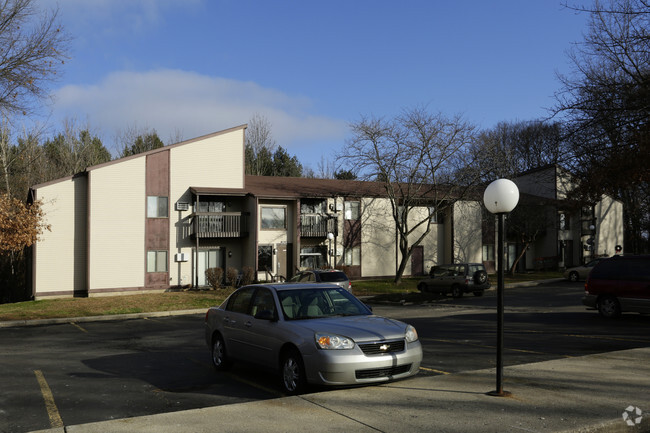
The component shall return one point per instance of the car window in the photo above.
(439, 271)
(240, 301)
(461, 270)
(474, 268)
(635, 270)
(295, 278)
(316, 303)
(606, 270)
(262, 301)
(331, 277)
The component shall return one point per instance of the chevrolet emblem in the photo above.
(384, 347)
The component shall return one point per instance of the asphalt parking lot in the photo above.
(94, 371)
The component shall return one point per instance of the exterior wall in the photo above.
(467, 217)
(59, 258)
(215, 160)
(609, 226)
(117, 213)
(378, 247)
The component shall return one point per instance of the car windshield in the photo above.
(332, 277)
(316, 303)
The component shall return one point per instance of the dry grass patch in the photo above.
(108, 305)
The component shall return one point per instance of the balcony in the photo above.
(219, 225)
(317, 226)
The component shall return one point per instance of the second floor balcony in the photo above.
(219, 225)
(317, 226)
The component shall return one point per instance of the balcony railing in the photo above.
(219, 225)
(317, 226)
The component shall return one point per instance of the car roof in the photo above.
(295, 286)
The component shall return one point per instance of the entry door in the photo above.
(281, 261)
(209, 259)
(417, 260)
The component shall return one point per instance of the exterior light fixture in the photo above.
(500, 198)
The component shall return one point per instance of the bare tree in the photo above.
(260, 145)
(418, 157)
(606, 103)
(32, 50)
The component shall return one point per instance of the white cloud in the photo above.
(171, 101)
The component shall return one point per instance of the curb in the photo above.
(57, 321)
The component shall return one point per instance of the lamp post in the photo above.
(500, 198)
(330, 236)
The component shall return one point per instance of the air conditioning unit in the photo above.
(180, 257)
(180, 205)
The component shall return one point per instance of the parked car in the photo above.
(456, 279)
(619, 284)
(311, 334)
(332, 276)
(581, 272)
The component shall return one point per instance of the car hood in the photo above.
(359, 328)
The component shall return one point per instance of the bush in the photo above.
(214, 276)
(248, 275)
(231, 276)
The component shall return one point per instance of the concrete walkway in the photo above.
(584, 394)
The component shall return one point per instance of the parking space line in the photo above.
(50, 406)
(79, 327)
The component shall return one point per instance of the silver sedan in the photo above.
(311, 334)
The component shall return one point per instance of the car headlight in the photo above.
(411, 334)
(331, 341)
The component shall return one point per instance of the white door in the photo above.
(209, 259)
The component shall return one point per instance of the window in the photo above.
(156, 261)
(264, 257)
(274, 218)
(488, 253)
(263, 301)
(212, 206)
(240, 301)
(313, 257)
(563, 221)
(433, 215)
(157, 207)
(352, 256)
(352, 210)
(313, 206)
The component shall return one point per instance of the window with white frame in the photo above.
(157, 207)
(352, 256)
(156, 261)
(352, 210)
(488, 253)
(274, 218)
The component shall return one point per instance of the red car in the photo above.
(619, 284)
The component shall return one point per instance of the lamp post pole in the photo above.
(500, 198)
(330, 236)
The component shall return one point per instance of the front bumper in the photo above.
(353, 367)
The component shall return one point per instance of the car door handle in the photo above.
(227, 321)
(248, 324)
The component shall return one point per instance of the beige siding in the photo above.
(60, 254)
(609, 226)
(377, 238)
(117, 211)
(214, 161)
(467, 232)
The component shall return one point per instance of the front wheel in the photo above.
(294, 380)
(609, 307)
(456, 292)
(573, 276)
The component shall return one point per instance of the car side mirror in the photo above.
(265, 315)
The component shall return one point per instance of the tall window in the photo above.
(352, 210)
(563, 221)
(352, 256)
(157, 207)
(156, 261)
(274, 218)
(488, 253)
(264, 257)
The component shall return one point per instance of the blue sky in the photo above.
(191, 67)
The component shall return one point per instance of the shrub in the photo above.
(231, 276)
(214, 276)
(248, 275)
